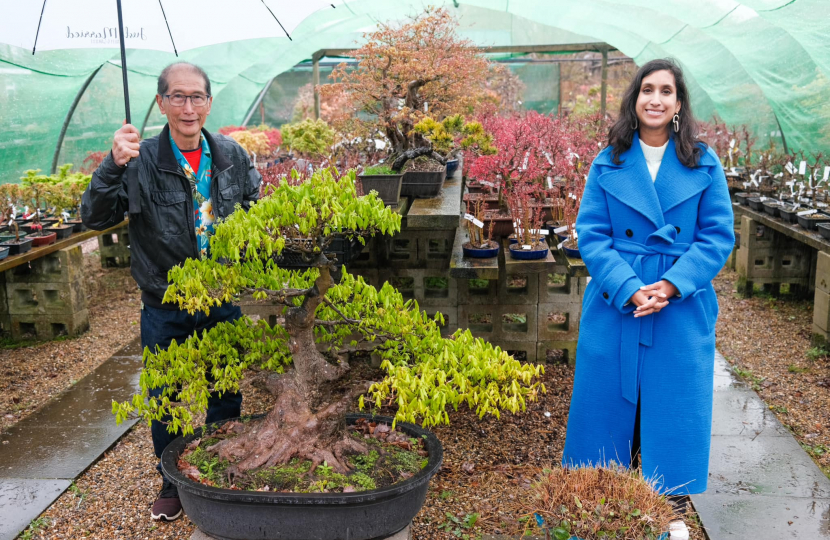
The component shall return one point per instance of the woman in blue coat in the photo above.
(654, 228)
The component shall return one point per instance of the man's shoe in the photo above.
(167, 507)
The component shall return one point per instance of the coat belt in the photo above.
(651, 262)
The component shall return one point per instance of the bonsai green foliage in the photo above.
(453, 133)
(378, 170)
(309, 137)
(210, 466)
(425, 372)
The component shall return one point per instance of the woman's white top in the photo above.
(654, 156)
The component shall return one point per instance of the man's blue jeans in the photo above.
(160, 327)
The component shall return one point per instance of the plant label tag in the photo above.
(477, 223)
(763, 199)
(572, 196)
(821, 205)
(746, 185)
(732, 143)
(797, 206)
(559, 245)
(558, 230)
(789, 167)
(550, 183)
(788, 183)
(469, 217)
(543, 232)
(807, 212)
(826, 173)
(527, 247)
(802, 168)
(486, 183)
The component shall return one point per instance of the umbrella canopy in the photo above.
(166, 25)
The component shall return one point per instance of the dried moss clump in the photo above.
(600, 503)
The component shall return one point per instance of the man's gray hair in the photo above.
(163, 85)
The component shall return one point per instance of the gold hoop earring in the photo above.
(636, 123)
(676, 121)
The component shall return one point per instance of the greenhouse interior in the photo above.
(487, 269)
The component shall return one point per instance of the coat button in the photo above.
(605, 295)
(629, 233)
(677, 229)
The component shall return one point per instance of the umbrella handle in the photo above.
(133, 189)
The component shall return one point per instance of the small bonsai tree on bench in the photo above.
(299, 358)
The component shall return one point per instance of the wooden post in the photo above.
(315, 81)
(604, 84)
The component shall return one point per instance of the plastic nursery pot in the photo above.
(16, 248)
(422, 184)
(43, 240)
(771, 207)
(77, 224)
(742, 197)
(810, 222)
(388, 186)
(824, 229)
(264, 515)
(789, 214)
(480, 253)
(4, 252)
(756, 203)
(452, 166)
(63, 231)
(539, 251)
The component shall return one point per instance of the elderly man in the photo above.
(187, 178)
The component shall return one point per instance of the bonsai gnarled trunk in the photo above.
(304, 422)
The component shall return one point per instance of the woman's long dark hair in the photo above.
(686, 141)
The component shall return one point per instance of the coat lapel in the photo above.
(631, 184)
(675, 182)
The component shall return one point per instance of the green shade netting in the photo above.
(764, 63)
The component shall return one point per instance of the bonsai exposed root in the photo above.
(293, 430)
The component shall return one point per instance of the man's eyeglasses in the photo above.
(178, 100)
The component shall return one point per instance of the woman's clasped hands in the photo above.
(652, 298)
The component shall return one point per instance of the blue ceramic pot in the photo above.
(527, 254)
(4, 252)
(573, 253)
(480, 253)
(452, 166)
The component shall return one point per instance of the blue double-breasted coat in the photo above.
(633, 232)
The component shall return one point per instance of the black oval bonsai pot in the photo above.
(810, 222)
(423, 184)
(260, 515)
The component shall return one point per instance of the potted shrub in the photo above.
(383, 180)
(527, 224)
(35, 188)
(481, 244)
(16, 245)
(309, 140)
(395, 85)
(303, 360)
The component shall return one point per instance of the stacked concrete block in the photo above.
(821, 307)
(769, 258)
(46, 297)
(114, 248)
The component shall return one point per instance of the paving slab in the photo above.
(760, 517)
(24, 499)
(762, 485)
(462, 267)
(43, 453)
(441, 212)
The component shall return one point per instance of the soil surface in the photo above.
(31, 373)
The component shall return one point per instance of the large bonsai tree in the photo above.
(299, 358)
(407, 72)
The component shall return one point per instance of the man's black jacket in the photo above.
(163, 234)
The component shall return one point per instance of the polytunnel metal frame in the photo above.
(739, 38)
